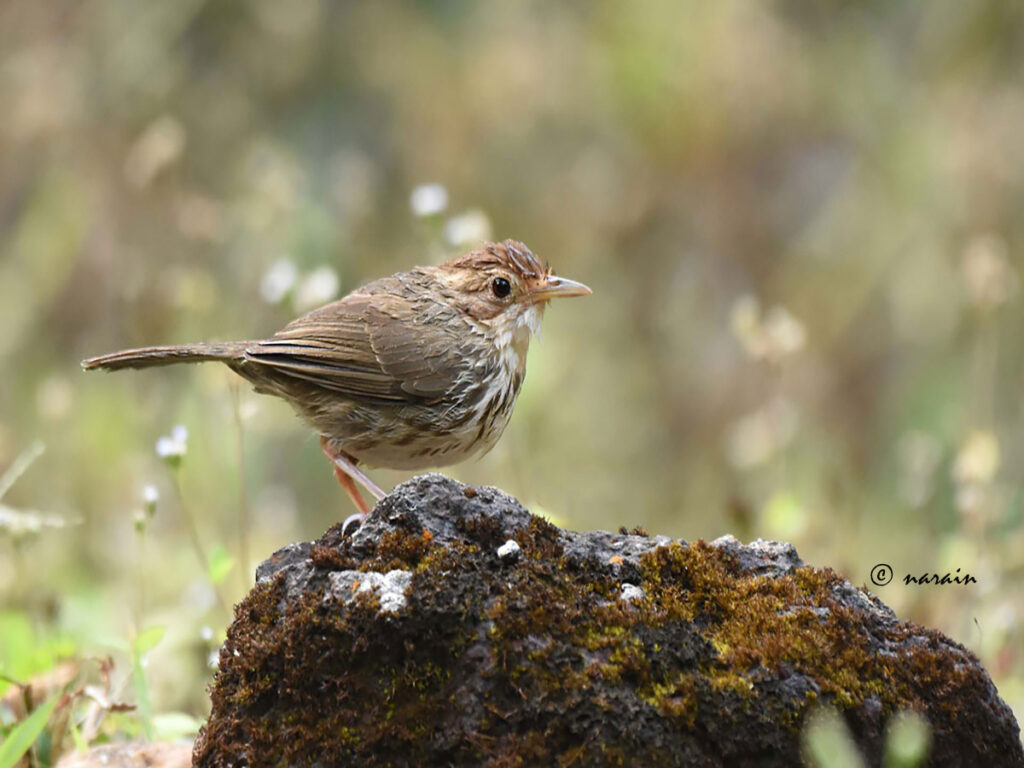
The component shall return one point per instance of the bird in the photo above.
(418, 369)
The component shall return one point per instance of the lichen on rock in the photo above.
(426, 638)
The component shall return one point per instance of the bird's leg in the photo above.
(352, 490)
(347, 472)
(348, 465)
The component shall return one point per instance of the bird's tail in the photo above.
(147, 357)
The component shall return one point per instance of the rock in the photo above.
(631, 592)
(417, 642)
(509, 550)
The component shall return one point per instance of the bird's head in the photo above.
(505, 287)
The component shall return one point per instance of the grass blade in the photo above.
(19, 465)
(24, 734)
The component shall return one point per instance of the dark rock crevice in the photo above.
(427, 639)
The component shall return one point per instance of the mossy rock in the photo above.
(426, 639)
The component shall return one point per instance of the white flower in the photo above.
(167, 447)
(977, 461)
(150, 497)
(773, 336)
(278, 280)
(172, 448)
(428, 199)
(20, 523)
(469, 227)
(318, 287)
(785, 333)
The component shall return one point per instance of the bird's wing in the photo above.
(367, 347)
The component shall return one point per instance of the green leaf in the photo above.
(23, 653)
(145, 641)
(148, 639)
(76, 736)
(220, 564)
(171, 726)
(908, 738)
(827, 741)
(784, 516)
(111, 642)
(17, 642)
(25, 733)
(142, 703)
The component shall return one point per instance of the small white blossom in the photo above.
(773, 336)
(428, 199)
(318, 287)
(150, 497)
(172, 448)
(21, 523)
(785, 333)
(278, 281)
(469, 227)
(206, 633)
(166, 447)
(977, 461)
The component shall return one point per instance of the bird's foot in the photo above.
(352, 524)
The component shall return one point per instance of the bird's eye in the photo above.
(501, 287)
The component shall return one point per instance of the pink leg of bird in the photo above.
(348, 473)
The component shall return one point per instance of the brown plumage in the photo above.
(414, 370)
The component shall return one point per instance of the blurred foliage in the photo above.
(802, 223)
(828, 743)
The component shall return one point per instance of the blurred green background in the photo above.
(802, 224)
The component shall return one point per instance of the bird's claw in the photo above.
(356, 518)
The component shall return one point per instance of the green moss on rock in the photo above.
(538, 659)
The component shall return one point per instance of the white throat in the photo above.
(514, 340)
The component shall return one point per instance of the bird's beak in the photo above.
(556, 286)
